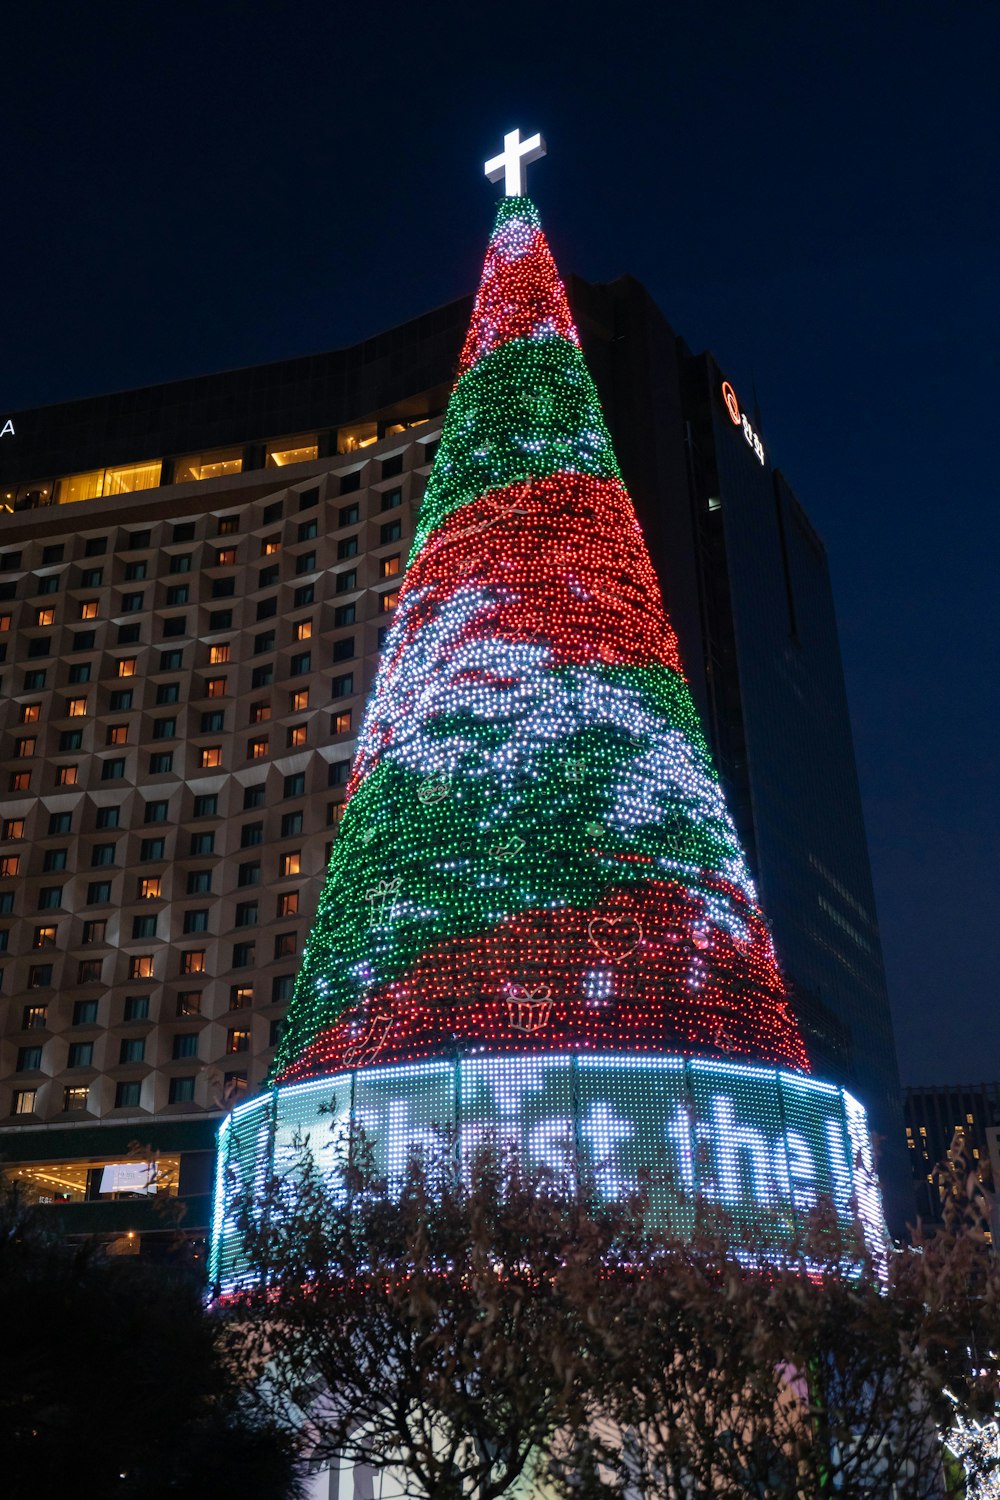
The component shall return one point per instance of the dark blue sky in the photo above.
(810, 191)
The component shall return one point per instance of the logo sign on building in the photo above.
(7, 430)
(740, 419)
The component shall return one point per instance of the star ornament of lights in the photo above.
(549, 817)
(977, 1446)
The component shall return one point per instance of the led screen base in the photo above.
(759, 1143)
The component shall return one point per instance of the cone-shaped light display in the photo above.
(536, 854)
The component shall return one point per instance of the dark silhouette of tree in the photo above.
(111, 1380)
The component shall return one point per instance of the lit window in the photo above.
(211, 465)
(94, 932)
(298, 701)
(10, 864)
(77, 708)
(215, 687)
(389, 601)
(24, 1101)
(67, 775)
(290, 864)
(88, 609)
(126, 666)
(13, 828)
(20, 781)
(217, 655)
(30, 713)
(88, 971)
(45, 616)
(288, 904)
(270, 546)
(44, 937)
(342, 722)
(4, 623)
(193, 962)
(117, 734)
(75, 1097)
(226, 557)
(296, 736)
(285, 944)
(141, 966)
(362, 435)
(24, 748)
(34, 1017)
(303, 630)
(238, 1041)
(128, 478)
(292, 451)
(189, 1003)
(209, 756)
(260, 712)
(389, 567)
(240, 995)
(149, 888)
(257, 749)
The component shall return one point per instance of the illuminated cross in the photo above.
(513, 159)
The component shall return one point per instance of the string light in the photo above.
(536, 853)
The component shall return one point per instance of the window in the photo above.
(30, 713)
(237, 1040)
(178, 593)
(228, 525)
(156, 812)
(225, 557)
(75, 1096)
(210, 756)
(341, 723)
(180, 563)
(348, 515)
(39, 976)
(244, 955)
(50, 585)
(168, 692)
(94, 932)
(260, 712)
(305, 595)
(181, 1090)
(141, 966)
(150, 888)
(132, 603)
(392, 499)
(171, 661)
(45, 617)
(338, 773)
(199, 882)
(128, 635)
(52, 554)
(215, 687)
(34, 681)
(164, 729)
(144, 927)
(296, 736)
(390, 532)
(285, 944)
(24, 1102)
(80, 1055)
(251, 834)
(389, 601)
(13, 828)
(136, 1008)
(95, 546)
(189, 1003)
(233, 1085)
(297, 450)
(175, 625)
(6, 902)
(343, 650)
(135, 572)
(196, 920)
(44, 937)
(121, 700)
(25, 747)
(92, 578)
(98, 892)
(281, 988)
(389, 567)
(160, 763)
(66, 775)
(290, 864)
(137, 540)
(108, 817)
(85, 1013)
(202, 843)
(345, 614)
(88, 609)
(267, 608)
(246, 914)
(308, 498)
(291, 825)
(29, 1059)
(71, 739)
(102, 854)
(151, 849)
(127, 1095)
(126, 666)
(352, 481)
(263, 642)
(248, 873)
(183, 531)
(50, 897)
(342, 686)
(257, 748)
(308, 530)
(262, 677)
(4, 624)
(270, 545)
(240, 995)
(20, 781)
(89, 971)
(207, 805)
(346, 547)
(132, 1050)
(288, 904)
(193, 962)
(302, 663)
(211, 465)
(114, 770)
(219, 654)
(295, 785)
(268, 577)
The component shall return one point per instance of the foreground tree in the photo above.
(485, 1331)
(111, 1380)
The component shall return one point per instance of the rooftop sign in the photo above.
(740, 419)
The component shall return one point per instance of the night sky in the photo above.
(808, 190)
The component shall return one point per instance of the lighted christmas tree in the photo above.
(535, 853)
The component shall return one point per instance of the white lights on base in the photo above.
(510, 164)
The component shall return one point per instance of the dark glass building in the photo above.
(186, 651)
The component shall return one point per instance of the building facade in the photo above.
(933, 1114)
(187, 650)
